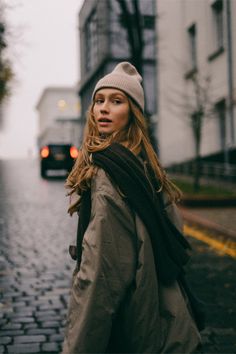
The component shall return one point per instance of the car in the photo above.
(57, 157)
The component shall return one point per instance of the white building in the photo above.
(59, 113)
(196, 41)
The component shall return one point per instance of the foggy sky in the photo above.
(44, 50)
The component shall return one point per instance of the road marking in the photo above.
(228, 247)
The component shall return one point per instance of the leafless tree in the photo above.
(203, 108)
(131, 19)
(197, 106)
(6, 72)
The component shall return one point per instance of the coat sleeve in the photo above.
(173, 213)
(107, 270)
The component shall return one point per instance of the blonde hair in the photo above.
(134, 136)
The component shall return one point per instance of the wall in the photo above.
(175, 136)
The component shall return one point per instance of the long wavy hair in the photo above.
(134, 136)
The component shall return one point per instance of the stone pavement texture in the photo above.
(212, 275)
(35, 268)
(224, 217)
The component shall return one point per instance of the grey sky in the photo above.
(47, 55)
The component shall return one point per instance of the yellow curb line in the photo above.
(229, 249)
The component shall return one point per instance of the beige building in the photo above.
(58, 116)
(196, 72)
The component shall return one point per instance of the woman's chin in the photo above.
(104, 132)
(103, 135)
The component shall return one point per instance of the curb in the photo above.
(212, 227)
(206, 201)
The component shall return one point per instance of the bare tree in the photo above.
(203, 109)
(131, 19)
(197, 107)
(6, 72)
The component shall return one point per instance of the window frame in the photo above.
(192, 50)
(91, 41)
(217, 10)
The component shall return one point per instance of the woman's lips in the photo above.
(104, 122)
(104, 119)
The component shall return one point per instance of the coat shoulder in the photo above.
(102, 183)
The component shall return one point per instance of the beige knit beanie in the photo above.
(125, 78)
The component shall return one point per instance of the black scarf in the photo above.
(127, 172)
(168, 244)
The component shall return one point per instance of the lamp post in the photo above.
(230, 79)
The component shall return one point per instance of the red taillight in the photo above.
(44, 152)
(73, 152)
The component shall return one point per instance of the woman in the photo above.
(128, 293)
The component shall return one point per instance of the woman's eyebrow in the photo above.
(112, 95)
(117, 95)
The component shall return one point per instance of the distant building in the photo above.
(59, 113)
(197, 39)
(103, 44)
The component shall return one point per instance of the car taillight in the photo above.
(44, 152)
(73, 152)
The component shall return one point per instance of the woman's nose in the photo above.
(104, 106)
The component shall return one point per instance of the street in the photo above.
(35, 267)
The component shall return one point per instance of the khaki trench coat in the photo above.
(117, 304)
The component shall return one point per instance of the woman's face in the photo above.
(111, 110)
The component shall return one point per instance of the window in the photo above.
(218, 24)
(217, 9)
(220, 111)
(192, 37)
(146, 21)
(91, 41)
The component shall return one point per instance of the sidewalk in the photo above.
(219, 221)
(215, 213)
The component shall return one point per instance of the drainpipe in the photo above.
(230, 70)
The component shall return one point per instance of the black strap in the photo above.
(84, 217)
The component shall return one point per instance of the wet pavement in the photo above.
(212, 275)
(225, 217)
(35, 268)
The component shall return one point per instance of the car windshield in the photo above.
(58, 149)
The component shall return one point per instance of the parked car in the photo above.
(57, 157)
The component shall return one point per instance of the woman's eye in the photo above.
(116, 101)
(98, 101)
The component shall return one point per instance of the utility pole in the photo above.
(2, 46)
(230, 74)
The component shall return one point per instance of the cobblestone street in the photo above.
(35, 268)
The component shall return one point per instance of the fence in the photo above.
(208, 170)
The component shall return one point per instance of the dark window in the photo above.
(192, 35)
(220, 111)
(218, 23)
(91, 41)
(147, 21)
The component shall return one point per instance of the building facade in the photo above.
(196, 75)
(58, 116)
(104, 43)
